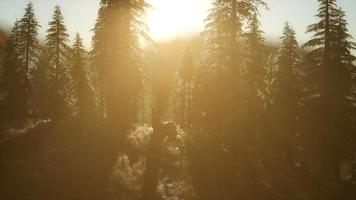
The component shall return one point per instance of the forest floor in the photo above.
(69, 160)
(56, 160)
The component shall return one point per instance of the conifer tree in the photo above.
(255, 51)
(201, 92)
(122, 77)
(28, 47)
(185, 87)
(254, 75)
(80, 82)
(56, 42)
(215, 53)
(287, 74)
(41, 90)
(343, 44)
(219, 99)
(343, 77)
(287, 96)
(321, 42)
(223, 33)
(99, 56)
(330, 49)
(14, 73)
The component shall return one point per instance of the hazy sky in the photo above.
(187, 16)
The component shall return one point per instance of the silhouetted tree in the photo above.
(41, 90)
(122, 23)
(185, 87)
(80, 80)
(330, 49)
(220, 104)
(287, 96)
(28, 47)
(282, 138)
(57, 39)
(223, 35)
(343, 74)
(13, 75)
(255, 72)
(99, 55)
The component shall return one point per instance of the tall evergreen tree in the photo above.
(99, 55)
(287, 81)
(122, 23)
(185, 87)
(14, 73)
(219, 99)
(80, 82)
(41, 90)
(287, 96)
(28, 47)
(223, 35)
(57, 39)
(287, 59)
(255, 73)
(343, 76)
(330, 49)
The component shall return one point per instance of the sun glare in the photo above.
(171, 18)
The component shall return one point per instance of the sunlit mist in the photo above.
(170, 18)
(178, 99)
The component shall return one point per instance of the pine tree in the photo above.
(14, 73)
(122, 77)
(56, 42)
(220, 57)
(99, 55)
(219, 98)
(330, 49)
(287, 74)
(255, 51)
(223, 35)
(28, 47)
(41, 90)
(254, 74)
(201, 95)
(343, 77)
(80, 82)
(321, 42)
(185, 87)
(287, 96)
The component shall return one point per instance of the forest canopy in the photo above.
(224, 114)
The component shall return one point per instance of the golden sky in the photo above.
(172, 18)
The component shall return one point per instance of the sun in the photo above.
(171, 18)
